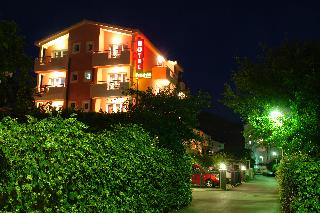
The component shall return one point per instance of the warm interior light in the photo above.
(181, 95)
(243, 168)
(163, 82)
(60, 43)
(274, 153)
(116, 40)
(58, 74)
(57, 104)
(160, 59)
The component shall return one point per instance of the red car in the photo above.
(202, 177)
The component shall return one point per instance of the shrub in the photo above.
(299, 181)
(54, 165)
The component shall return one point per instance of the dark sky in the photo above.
(204, 36)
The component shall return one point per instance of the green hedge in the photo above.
(299, 181)
(54, 165)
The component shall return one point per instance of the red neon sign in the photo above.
(140, 54)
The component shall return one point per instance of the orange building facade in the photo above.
(88, 66)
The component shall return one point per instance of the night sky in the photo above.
(203, 37)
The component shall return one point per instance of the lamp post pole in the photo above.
(223, 176)
(137, 96)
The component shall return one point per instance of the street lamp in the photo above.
(275, 154)
(275, 116)
(261, 158)
(223, 176)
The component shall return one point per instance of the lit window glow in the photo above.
(57, 104)
(181, 95)
(116, 40)
(160, 60)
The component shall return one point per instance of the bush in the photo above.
(54, 165)
(299, 181)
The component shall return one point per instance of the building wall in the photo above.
(80, 62)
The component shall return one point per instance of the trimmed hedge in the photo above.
(54, 165)
(299, 181)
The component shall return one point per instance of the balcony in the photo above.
(49, 63)
(159, 72)
(51, 93)
(106, 90)
(100, 59)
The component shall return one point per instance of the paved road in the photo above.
(257, 196)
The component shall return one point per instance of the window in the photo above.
(56, 82)
(88, 75)
(72, 104)
(115, 50)
(86, 106)
(74, 76)
(39, 104)
(115, 107)
(89, 46)
(59, 53)
(114, 79)
(76, 48)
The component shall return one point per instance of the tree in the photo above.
(16, 86)
(286, 79)
(168, 116)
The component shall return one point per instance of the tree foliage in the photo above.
(168, 116)
(55, 165)
(298, 178)
(16, 86)
(287, 79)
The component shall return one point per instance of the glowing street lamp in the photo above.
(261, 158)
(275, 154)
(223, 176)
(276, 116)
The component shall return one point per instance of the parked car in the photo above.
(203, 177)
(269, 173)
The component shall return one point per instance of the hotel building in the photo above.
(88, 66)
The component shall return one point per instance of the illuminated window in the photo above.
(86, 106)
(59, 53)
(56, 82)
(72, 104)
(89, 46)
(114, 80)
(39, 104)
(88, 75)
(160, 60)
(74, 76)
(115, 50)
(76, 48)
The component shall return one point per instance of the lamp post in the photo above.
(275, 155)
(137, 95)
(261, 157)
(223, 174)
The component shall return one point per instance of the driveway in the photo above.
(257, 196)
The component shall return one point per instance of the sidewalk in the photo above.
(257, 196)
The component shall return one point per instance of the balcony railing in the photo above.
(51, 93)
(49, 63)
(107, 89)
(108, 58)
